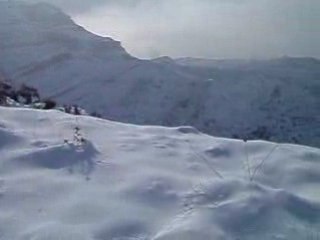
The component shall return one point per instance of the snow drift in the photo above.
(153, 183)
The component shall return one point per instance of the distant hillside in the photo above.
(272, 99)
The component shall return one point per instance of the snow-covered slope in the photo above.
(280, 97)
(149, 183)
(43, 47)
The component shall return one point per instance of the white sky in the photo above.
(204, 28)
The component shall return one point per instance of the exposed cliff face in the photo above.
(278, 99)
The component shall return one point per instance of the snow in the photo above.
(149, 183)
(42, 47)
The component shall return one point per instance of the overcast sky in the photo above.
(204, 28)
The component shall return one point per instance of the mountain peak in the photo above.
(73, 66)
(40, 32)
(13, 12)
(164, 59)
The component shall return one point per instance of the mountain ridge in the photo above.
(265, 100)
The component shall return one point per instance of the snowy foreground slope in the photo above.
(153, 183)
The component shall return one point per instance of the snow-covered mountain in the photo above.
(149, 183)
(282, 96)
(43, 47)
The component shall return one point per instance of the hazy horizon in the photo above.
(214, 29)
